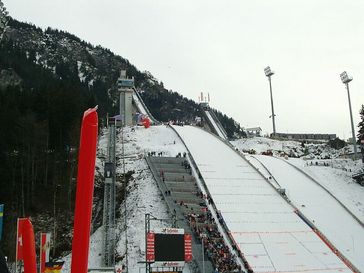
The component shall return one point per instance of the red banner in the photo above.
(19, 239)
(84, 192)
(45, 240)
(188, 247)
(150, 247)
(30, 259)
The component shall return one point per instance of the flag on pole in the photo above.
(53, 267)
(1, 219)
(45, 240)
(19, 239)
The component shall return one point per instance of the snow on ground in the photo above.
(338, 181)
(95, 258)
(328, 215)
(271, 236)
(81, 75)
(261, 144)
(143, 193)
(334, 174)
(307, 151)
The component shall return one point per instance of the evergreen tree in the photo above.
(361, 124)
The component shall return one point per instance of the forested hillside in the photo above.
(47, 80)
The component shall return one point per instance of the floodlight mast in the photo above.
(346, 79)
(269, 73)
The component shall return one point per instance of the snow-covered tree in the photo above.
(361, 124)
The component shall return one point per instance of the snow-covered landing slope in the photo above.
(329, 216)
(338, 181)
(271, 236)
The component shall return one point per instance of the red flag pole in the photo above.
(30, 259)
(84, 192)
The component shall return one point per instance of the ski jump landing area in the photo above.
(269, 233)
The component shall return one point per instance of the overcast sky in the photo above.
(222, 48)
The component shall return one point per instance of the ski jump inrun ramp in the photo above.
(269, 233)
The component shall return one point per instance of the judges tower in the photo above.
(126, 89)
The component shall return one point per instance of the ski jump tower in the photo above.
(126, 89)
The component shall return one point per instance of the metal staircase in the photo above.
(109, 201)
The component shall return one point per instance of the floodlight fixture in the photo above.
(268, 72)
(345, 78)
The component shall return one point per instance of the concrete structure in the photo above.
(254, 131)
(126, 89)
(306, 136)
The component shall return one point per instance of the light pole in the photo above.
(346, 79)
(269, 73)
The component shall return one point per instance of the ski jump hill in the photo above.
(269, 231)
(141, 107)
(214, 123)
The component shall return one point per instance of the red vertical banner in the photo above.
(84, 192)
(150, 247)
(188, 247)
(29, 257)
(45, 239)
(19, 239)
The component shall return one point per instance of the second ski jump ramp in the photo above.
(265, 227)
(142, 108)
(339, 226)
(216, 125)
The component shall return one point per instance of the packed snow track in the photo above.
(265, 227)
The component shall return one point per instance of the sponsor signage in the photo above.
(168, 247)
